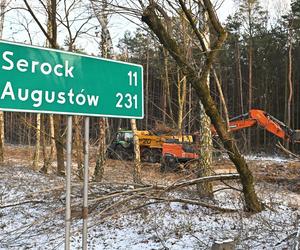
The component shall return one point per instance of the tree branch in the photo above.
(150, 17)
(21, 203)
(194, 202)
(53, 43)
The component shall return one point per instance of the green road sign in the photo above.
(42, 80)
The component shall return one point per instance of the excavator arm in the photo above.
(261, 118)
(174, 153)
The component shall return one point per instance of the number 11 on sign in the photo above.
(132, 78)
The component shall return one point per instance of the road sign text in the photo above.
(43, 80)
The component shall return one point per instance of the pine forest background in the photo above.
(259, 67)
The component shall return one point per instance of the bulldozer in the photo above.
(175, 153)
(150, 145)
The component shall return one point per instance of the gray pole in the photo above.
(85, 183)
(68, 184)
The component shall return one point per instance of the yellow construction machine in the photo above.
(150, 145)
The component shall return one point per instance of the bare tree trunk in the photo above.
(29, 131)
(52, 140)
(250, 97)
(240, 77)
(1, 137)
(58, 136)
(240, 82)
(204, 169)
(222, 98)
(147, 89)
(36, 157)
(181, 78)
(59, 144)
(51, 31)
(205, 190)
(190, 109)
(51, 25)
(47, 158)
(2, 13)
(137, 158)
(164, 102)
(78, 146)
(164, 89)
(51, 35)
(167, 83)
(100, 11)
(198, 81)
(290, 81)
(100, 158)
(181, 91)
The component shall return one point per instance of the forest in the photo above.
(201, 77)
(257, 69)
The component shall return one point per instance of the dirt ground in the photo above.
(276, 170)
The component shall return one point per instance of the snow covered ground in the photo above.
(32, 217)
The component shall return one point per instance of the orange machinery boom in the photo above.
(265, 120)
(176, 152)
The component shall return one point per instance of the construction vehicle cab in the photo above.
(150, 145)
(122, 145)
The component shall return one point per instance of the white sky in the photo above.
(118, 25)
(276, 7)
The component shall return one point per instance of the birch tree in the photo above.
(3, 6)
(50, 26)
(58, 133)
(166, 86)
(204, 169)
(52, 39)
(137, 156)
(78, 145)
(40, 130)
(36, 157)
(292, 23)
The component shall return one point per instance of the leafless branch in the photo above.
(286, 151)
(52, 42)
(22, 203)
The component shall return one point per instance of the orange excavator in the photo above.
(174, 152)
(256, 117)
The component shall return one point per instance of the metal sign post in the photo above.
(85, 182)
(68, 183)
